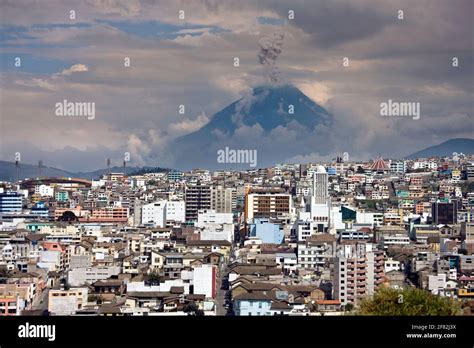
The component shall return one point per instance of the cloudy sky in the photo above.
(190, 62)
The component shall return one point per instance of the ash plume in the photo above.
(270, 49)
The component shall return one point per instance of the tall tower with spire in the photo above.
(320, 186)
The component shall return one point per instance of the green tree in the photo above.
(192, 309)
(153, 278)
(411, 301)
(68, 216)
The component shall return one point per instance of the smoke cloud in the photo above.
(270, 49)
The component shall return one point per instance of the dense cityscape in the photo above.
(293, 239)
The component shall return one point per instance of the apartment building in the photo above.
(359, 271)
(266, 203)
(197, 197)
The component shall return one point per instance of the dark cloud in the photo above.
(137, 107)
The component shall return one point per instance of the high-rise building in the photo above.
(320, 186)
(267, 204)
(221, 199)
(319, 204)
(10, 202)
(444, 213)
(359, 271)
(469, 172)
(197, 197)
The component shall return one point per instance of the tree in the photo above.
(411, 301)
(68, 216)
(192, 309)
(153, 278)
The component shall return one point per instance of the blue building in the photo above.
(254, 304)
(40, 209)
(267, 231)
(10, 202)
(175, 175)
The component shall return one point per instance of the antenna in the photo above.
(17, 165)
(108, 166)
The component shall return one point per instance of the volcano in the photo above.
(280, 122)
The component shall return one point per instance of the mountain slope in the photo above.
(459, 145)
(8, 171)
(258, 121)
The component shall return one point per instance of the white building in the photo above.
(50, 259)
(436, 283)
(392, 265)
(82, 276)
(67, 302)
(398, 166)
(218, 232)
(204, 280)
(320, 185)
(176, 211)
(206, 217)
(154, 213)
(425, 165)
(394, 240)
(44, 190)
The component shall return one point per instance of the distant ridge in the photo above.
(464, 145)
(8, 171)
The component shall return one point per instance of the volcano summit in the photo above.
(280, 122)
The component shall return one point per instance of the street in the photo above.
(41, 302)
(220, 294)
